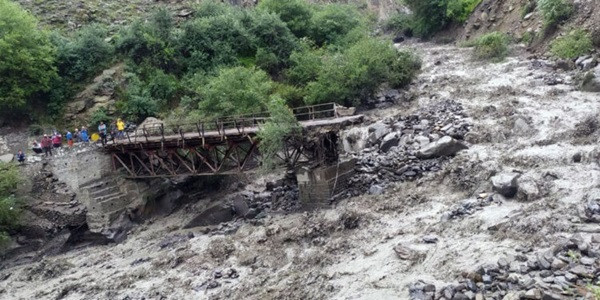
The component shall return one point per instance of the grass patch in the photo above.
(492, 46)
(573, 45)
(555, 11)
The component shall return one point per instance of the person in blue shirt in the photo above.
(69, 137)
(84, 135)
(21, 156)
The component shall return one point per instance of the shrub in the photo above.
(98, 116)
(399, 23)
(138, 103)
(575, 44)
(272, 37)
(459, 10)
(353, 76)
(9, 206)
(493, 46)
(429, 16)
(296, 14)
(214, 41)
(83, 56)
(152, 42)
(555, 11)
(26, 58)
(273, 134)
(235, 91)
(334, 21)
(162, 87)
(305, 66)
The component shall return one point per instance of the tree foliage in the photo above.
(296, 14)
(85, 55)
(555, 11)
(333, 21)
(234, 91)
(281, 126)
(352, 77)
(26, 57)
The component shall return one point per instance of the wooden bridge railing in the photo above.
(224, 126)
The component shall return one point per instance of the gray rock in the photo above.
(445, 146)
(377, 131)
(506, 184)
(571, 277)
(389, 141)
(7, 157)
(591, 81)
(580, 271)
(558, 264)
(532, 294)
(527, 190)
(376, 190)
(588, 261)
(430, 239)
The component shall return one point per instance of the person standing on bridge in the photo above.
(47, 145)
(102, 131)
(120, 128)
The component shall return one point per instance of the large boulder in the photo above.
(6, 158)
(378, 131)
(506, 184)
(445, 146)
(389, 141)
(591, 81)
(355, 139)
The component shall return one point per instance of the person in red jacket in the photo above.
(57, 140)
(47, 145)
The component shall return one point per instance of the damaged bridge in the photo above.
(225, 146)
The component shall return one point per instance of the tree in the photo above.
(272, 37)
(281, 126)
(234, 91)
(296, 14)
(333, 22)
(84, 56)
(429, 16)
(26, 57)
(353, 76)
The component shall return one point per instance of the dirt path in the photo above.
(521, 123)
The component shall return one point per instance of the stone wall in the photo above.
(318, 186)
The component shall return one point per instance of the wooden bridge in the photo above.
(225, 146)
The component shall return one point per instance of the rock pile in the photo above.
(566, 271)
(403, 148)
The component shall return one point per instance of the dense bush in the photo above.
(9, 206)
(399, 23)
(235, 91)
(26, 58)
(138, 103)
(272, 37)
(98, 116)
(210, 42)
(333, 21)
(555, 11)
(429, 16)
(305, 66)
(459, 10)
(353, 76)
(575, 44)
(297, 14)
(151, 42)
(83, 56)
(493, 46)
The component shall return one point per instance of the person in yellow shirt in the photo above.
(120, 128)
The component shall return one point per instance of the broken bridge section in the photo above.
(225, 146)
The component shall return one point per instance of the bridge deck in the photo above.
(194, 138)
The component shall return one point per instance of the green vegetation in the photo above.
(9, 206)
(223, 60)
(528, 8)
(575, 44)
(555, 11)
(431, 16)
(460, 10)
(352, 76)
(527, 38)
(276, 131)
(492, 46)
(26, 58)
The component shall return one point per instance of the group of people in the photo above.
(47, 142)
